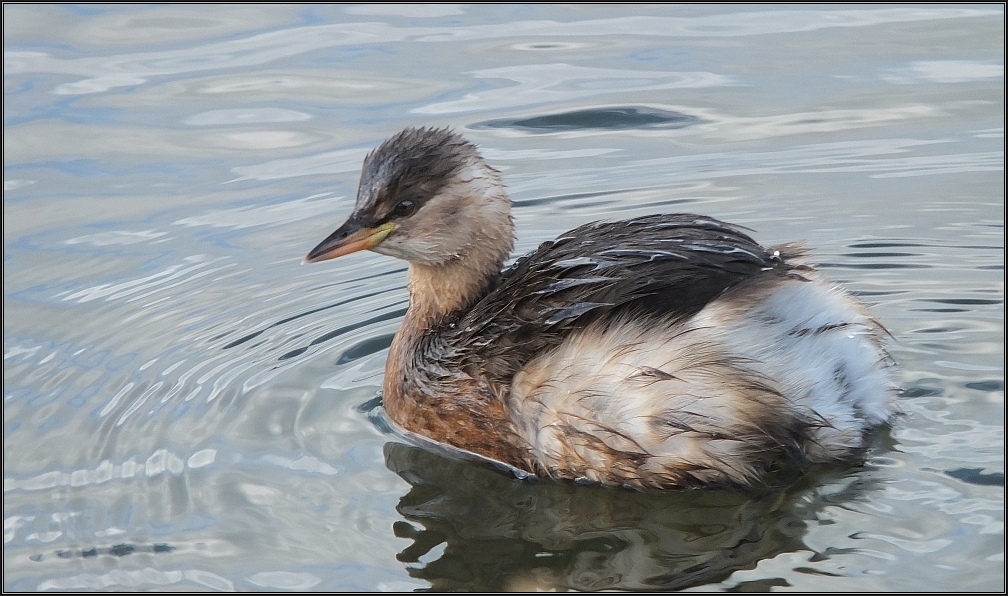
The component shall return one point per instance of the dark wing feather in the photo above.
(664, 266)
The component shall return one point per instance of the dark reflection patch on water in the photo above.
(118, 550)
(993, 385)
(366, 348)
(965, 301)
(977, 476)
(500, 533)
(285, 320)
(605, 118)
(539, 201)
(396, 314)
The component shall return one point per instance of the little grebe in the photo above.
(660, 351)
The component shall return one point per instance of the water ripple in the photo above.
(159, 462)
(146, 577)
(187, 408)
(109, 72)
(611, 118)
(559, 83)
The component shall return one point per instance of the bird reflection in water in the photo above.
(501, 533)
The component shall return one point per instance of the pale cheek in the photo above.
(424, 251)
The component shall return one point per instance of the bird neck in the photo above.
(439, 291)
(422, 389)
(437, 294)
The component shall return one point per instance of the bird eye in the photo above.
(405, 208)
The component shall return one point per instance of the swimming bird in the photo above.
(655, 352)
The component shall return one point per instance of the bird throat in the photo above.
(438, 292)
(456, 409)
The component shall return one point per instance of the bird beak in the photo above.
(350, 237)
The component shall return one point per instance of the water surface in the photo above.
(186, 407)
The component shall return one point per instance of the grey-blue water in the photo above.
(187, 407)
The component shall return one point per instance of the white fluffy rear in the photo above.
(781, 366)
